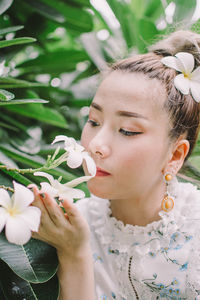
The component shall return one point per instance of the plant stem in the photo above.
(7, 188)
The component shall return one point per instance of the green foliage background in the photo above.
(53, 52)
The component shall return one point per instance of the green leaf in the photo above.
(10, 29)
(35, 161)
(46, 10)
(6, 96)
(9, 82)
(146, 32)
(23, 101)
(16, 41)
(80, 2)
(15, 288)
(154, 9)
(17, 177)
(184, 11)
(4, 5)
(8, 126)
(41, 113)
(126, 18)
(35, 261)
(196, 26)
(61, 61)
(5, 160)
(76, 19)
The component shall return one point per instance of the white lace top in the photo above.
(157, 261)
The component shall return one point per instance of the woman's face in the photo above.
(127, 136)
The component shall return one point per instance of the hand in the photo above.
(68, 232)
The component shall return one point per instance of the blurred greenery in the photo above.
(51, 52)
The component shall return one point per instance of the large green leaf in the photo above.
(46, 10)
(22, 101)
(16, 41)
(126, 18)
(146, 32)
(35, 161)
(10, 29)
(35, 261)
(4, 5)
(184, 11)
(60, 61)
(11, 83)
(153, 9)
(17, 177)
(82, 23)
(80, 2)
(15, 288)
(39, 112)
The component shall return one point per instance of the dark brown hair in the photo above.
(183, 111)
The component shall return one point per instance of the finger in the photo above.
(55, 212)
(37, 236)
(38, 202)
(72, 212)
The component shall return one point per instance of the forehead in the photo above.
(131, 91)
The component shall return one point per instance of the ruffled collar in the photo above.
(123, 237)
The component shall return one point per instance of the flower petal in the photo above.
(60, 138)
(187, 60)
(69, 141)
(5, 200)
(182, 84)
(77, 181)
(31, 216)
(3, 217)
(71, 194)
(91, 166)
(196, 75)
(74, 160)
(43, 174)
(173, 62)
(195, 90)
(22, 196)
(17, 231)
(47, 188)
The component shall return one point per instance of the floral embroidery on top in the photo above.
(167, 244)
(97, 257)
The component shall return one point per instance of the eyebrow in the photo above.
(121, 113)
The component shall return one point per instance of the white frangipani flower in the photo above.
(17, 216)
(76, 154)
(57, 189)
(189, 80)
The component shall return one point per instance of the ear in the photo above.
(178, 154)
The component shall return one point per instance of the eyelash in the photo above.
(124, 132)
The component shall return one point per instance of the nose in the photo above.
(100, 146)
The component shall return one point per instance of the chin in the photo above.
(97, 190)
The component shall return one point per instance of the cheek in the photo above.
(85, 137)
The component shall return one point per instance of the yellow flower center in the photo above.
(13, 211)
(187, 75)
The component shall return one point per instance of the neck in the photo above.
(138, 211)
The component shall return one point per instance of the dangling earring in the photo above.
(168, 201)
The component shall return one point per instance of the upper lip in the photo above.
(101, 170)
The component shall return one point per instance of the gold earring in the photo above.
(168, 201)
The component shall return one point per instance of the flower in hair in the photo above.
(189, 80)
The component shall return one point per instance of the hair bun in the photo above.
(179, 41)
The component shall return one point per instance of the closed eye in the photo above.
(129, 133)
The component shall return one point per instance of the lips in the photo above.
(101, 172)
